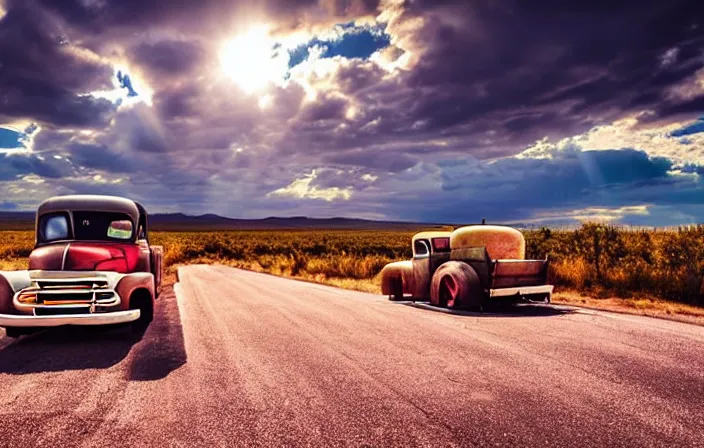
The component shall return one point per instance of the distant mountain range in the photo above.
(180, 221)
(183, 222)
(16, 220)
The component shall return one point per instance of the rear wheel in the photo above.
(448, 292)
(456, 285)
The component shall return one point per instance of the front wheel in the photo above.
(397, 289)
(143, 303)
(14, 333)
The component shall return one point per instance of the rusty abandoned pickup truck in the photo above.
(467, 267)
(91, 265)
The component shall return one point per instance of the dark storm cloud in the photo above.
(145, 139)
(683, 108)
(325, 108)
(140, 130)
(100, 16)
(596, 59)
(13, 166)
(198, 17)
(352, 78)
(499, 76)
(351, 7)
(50, 139)
(572, 179)
(388, 161)
(569, 173)
(45, 79)
(169, 57)
(179, 102)
(101, 157)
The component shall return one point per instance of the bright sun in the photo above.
(252, 60)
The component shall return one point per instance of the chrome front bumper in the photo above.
(98, 304)
(107, 318)
(521, 291)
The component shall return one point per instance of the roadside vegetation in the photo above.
(595, 260)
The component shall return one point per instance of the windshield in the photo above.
(54, 227)
(102, 226)
(90, 226)
(87, 226)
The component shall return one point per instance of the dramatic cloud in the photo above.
(302, 188)
(424, 110)
(46, 78)
(169, 58)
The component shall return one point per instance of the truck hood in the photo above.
(85, 256)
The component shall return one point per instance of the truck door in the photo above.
(155, 253)
(421, 269)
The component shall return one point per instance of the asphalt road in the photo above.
(243, 359)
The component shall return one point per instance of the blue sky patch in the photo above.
(692, 128)
(356, 42)
(5, 205)
(126, 83)
(9, 138)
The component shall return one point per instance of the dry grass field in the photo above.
(595, 260)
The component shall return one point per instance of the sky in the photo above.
(540, 112)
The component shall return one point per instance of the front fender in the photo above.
(129, 283)
(10, 283)
(395, 270)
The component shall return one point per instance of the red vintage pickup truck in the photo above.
(92, 265)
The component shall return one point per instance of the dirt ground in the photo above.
(638, 306)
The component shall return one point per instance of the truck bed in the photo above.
(506, 277)
(512, 273)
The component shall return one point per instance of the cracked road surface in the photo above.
(237, 358)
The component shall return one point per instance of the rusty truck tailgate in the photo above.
(513, 273)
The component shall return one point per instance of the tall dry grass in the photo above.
(602, 259)
(15, 247)
(594, 259)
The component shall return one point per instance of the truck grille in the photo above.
(70, 292)
(84, 297)
(87, 284)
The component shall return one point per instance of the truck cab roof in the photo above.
(90, 217)
(102, 203)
